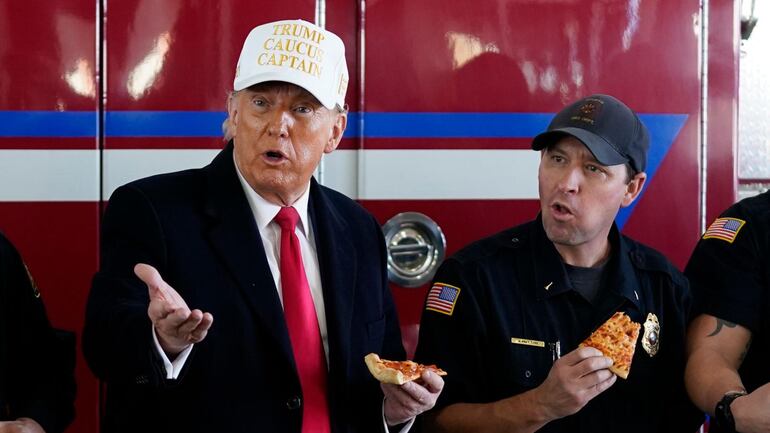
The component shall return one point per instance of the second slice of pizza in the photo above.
(616, 339)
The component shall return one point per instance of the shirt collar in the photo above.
(551, 277)
(623, 277)
(264, 211)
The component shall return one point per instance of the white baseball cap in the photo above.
(297, 52)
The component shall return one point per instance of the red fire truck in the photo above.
(444, 96)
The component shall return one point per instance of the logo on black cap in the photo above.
(609, 129)
(588, 111)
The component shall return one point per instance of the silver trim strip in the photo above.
(704, 105)
(320, 21)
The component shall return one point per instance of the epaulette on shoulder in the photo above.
(648, 259)
(508, 238)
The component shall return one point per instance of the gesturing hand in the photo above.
(175, 325)
(574, 380)
(404, 402)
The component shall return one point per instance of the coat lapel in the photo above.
(337, 262)
(235, 239)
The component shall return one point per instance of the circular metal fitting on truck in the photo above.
(416, 247)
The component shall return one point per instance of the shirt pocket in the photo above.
(528, 366)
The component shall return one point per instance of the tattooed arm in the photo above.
(716, 348)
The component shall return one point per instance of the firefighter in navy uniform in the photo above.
(728, 368)
(37, 386)
(506, 314)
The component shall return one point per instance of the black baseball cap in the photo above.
(608, 128)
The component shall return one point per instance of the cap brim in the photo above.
(285, 77)
(602, 151)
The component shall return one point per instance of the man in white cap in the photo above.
(293, 272)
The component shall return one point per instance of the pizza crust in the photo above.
(407, 371)
(383, 373)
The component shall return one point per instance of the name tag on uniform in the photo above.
(526, 342)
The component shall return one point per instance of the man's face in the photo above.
(579, 197)
(281, 132)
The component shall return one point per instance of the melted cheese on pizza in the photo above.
(616, 339)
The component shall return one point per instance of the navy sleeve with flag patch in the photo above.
(725, 229)
(442, 298)
(452, 336)
(727, 270)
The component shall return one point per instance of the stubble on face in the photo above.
(579, 199)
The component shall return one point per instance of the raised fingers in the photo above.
(172, 322)
(175, 324)
(157, 287)
(159, 309)
(190, 323)
(199, 333)
(150, 276)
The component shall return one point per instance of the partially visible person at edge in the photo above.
(506, 314)
(728, 368)
(243, 296)
(37, 384)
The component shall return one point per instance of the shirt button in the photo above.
(527, 374)
(294, 403)
(515, 240)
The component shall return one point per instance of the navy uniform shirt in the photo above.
(504, 301)
(730, 276)
(36, 369)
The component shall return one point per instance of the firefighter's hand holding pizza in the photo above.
(410, 388)
(573, 381)
(590, 369)
(175, 325)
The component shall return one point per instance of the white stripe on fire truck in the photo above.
(383, 174)
(73, 175)
(49, 175)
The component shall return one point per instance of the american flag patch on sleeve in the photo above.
(725, 229)
(442, 298)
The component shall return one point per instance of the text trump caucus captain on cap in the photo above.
(298, 47)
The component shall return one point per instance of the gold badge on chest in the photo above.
(651, 338)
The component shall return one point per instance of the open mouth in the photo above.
(561, 210)
(275, 156)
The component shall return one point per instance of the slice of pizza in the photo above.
(397, 372)
(616, 339)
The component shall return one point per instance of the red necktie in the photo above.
(301, 319)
